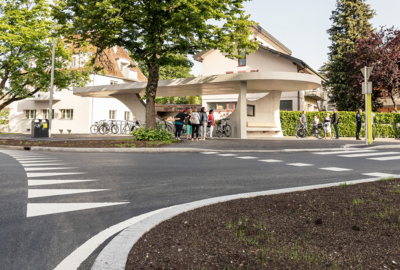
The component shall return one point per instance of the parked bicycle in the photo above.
(163, 124)
(130, 126)
(302, 130)
(107, 127)
(224, 128)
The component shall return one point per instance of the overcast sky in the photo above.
(302, 25)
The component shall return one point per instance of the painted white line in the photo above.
(27, 156)
(381, 175)
(30, 175)
(208, 153)
(54, 182)
(246, 157)
(115, 254)
(299, 164)
(48, 168)
(36, 193)
(227, 155)
(271, 160)
(33, 159)
(41, 209)
(335, 169)
(371, 154)
(39, 161)
(43, 164)
(343, 152)
(74, 260)
(385, 158)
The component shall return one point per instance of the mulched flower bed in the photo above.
(123, 143)
(345, 227)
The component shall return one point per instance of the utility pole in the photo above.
(52, 83)
(367, 90)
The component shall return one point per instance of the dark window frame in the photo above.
(254, 110)
(243, 59)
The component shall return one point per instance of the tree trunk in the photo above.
(151, 91)
(394, 103)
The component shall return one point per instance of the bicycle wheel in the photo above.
(114, 129)
(94, 129)
(103, 130)
(169, 128)
(228, 130)
(300, 133)
(219, 131)
(125, 130)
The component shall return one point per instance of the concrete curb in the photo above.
(115, 254)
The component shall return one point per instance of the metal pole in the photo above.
(52, 84)
(366, 107)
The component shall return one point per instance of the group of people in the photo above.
(335, 121)
(196, 122)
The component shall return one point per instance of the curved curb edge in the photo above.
(114, 256)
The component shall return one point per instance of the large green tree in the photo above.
(350, 21)
(25, 52)
(153, 31)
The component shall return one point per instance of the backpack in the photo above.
(193, 119)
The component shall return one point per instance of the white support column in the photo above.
(242, 104)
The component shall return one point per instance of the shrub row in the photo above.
(387, 125)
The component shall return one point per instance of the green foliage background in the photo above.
(150, 134)
(386, 124)
(4, 114)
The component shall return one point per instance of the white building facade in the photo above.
(74, 114)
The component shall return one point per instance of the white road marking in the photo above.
(246, 157)
(382, 175)
(33, 159)
(39, 161)
(36, 193)
(74, 260)
(43, 164)
(271, 160)
(54, 182)
(30, 175)
(48, 168)
(335, 169)
(385, 158)
(343, 152)
(299, 164)
(27, 156)
(227, 155)
(370, 154)
(208, 153)
(41, 209)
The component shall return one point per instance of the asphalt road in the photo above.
(39, 228)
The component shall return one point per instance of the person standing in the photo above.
(327, 125)
(315, 126)
(188, 125)
(195, 122)
(179, 118)
(335, 121)
(203, 123)
(303, 118)
(358, 120)
(211, 122)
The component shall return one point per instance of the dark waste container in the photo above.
(40, 128)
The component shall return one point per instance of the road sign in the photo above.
(369, 88)
(366, 71)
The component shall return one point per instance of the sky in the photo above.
(301, 25)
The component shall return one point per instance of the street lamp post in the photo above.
(52, 85)
(367, 90)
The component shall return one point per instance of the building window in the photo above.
(111, 114)
(221, 106)
(45, 114)
(113, 82)
(242, 62)
(30, 114)
(67, 114)
(286, 105)
(251, 110)
(127, 116)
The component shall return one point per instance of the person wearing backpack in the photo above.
(203, 124)
(179, 118)
(195, 122)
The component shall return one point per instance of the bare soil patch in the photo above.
(345, 227)
(122, 143)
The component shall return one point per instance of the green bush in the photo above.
(387, 125)
(150, 134)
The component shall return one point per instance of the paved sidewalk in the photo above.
(63, 137)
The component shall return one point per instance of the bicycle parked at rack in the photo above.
(107, 127)
(130, 126)
(302, 130)
(224, 128)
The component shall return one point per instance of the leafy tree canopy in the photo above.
(154, 31)
(25, 52)
(350, 21)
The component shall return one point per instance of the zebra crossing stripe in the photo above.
(227, 155)
(343, 152)
(385, 158)
(335, 169)
(246, 157)
(370, 154)
(32, 175)
(271, 160)
(37, 193)
(382, 175)
(48, 168)
(54, 182)
(299, 164)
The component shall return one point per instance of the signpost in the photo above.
(52, 85)
(367, 90)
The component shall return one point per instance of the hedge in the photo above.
(387, 125)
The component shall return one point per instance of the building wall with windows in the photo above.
(73, 113)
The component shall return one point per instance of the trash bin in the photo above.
(40, 128)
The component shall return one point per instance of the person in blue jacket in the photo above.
(358, 119)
